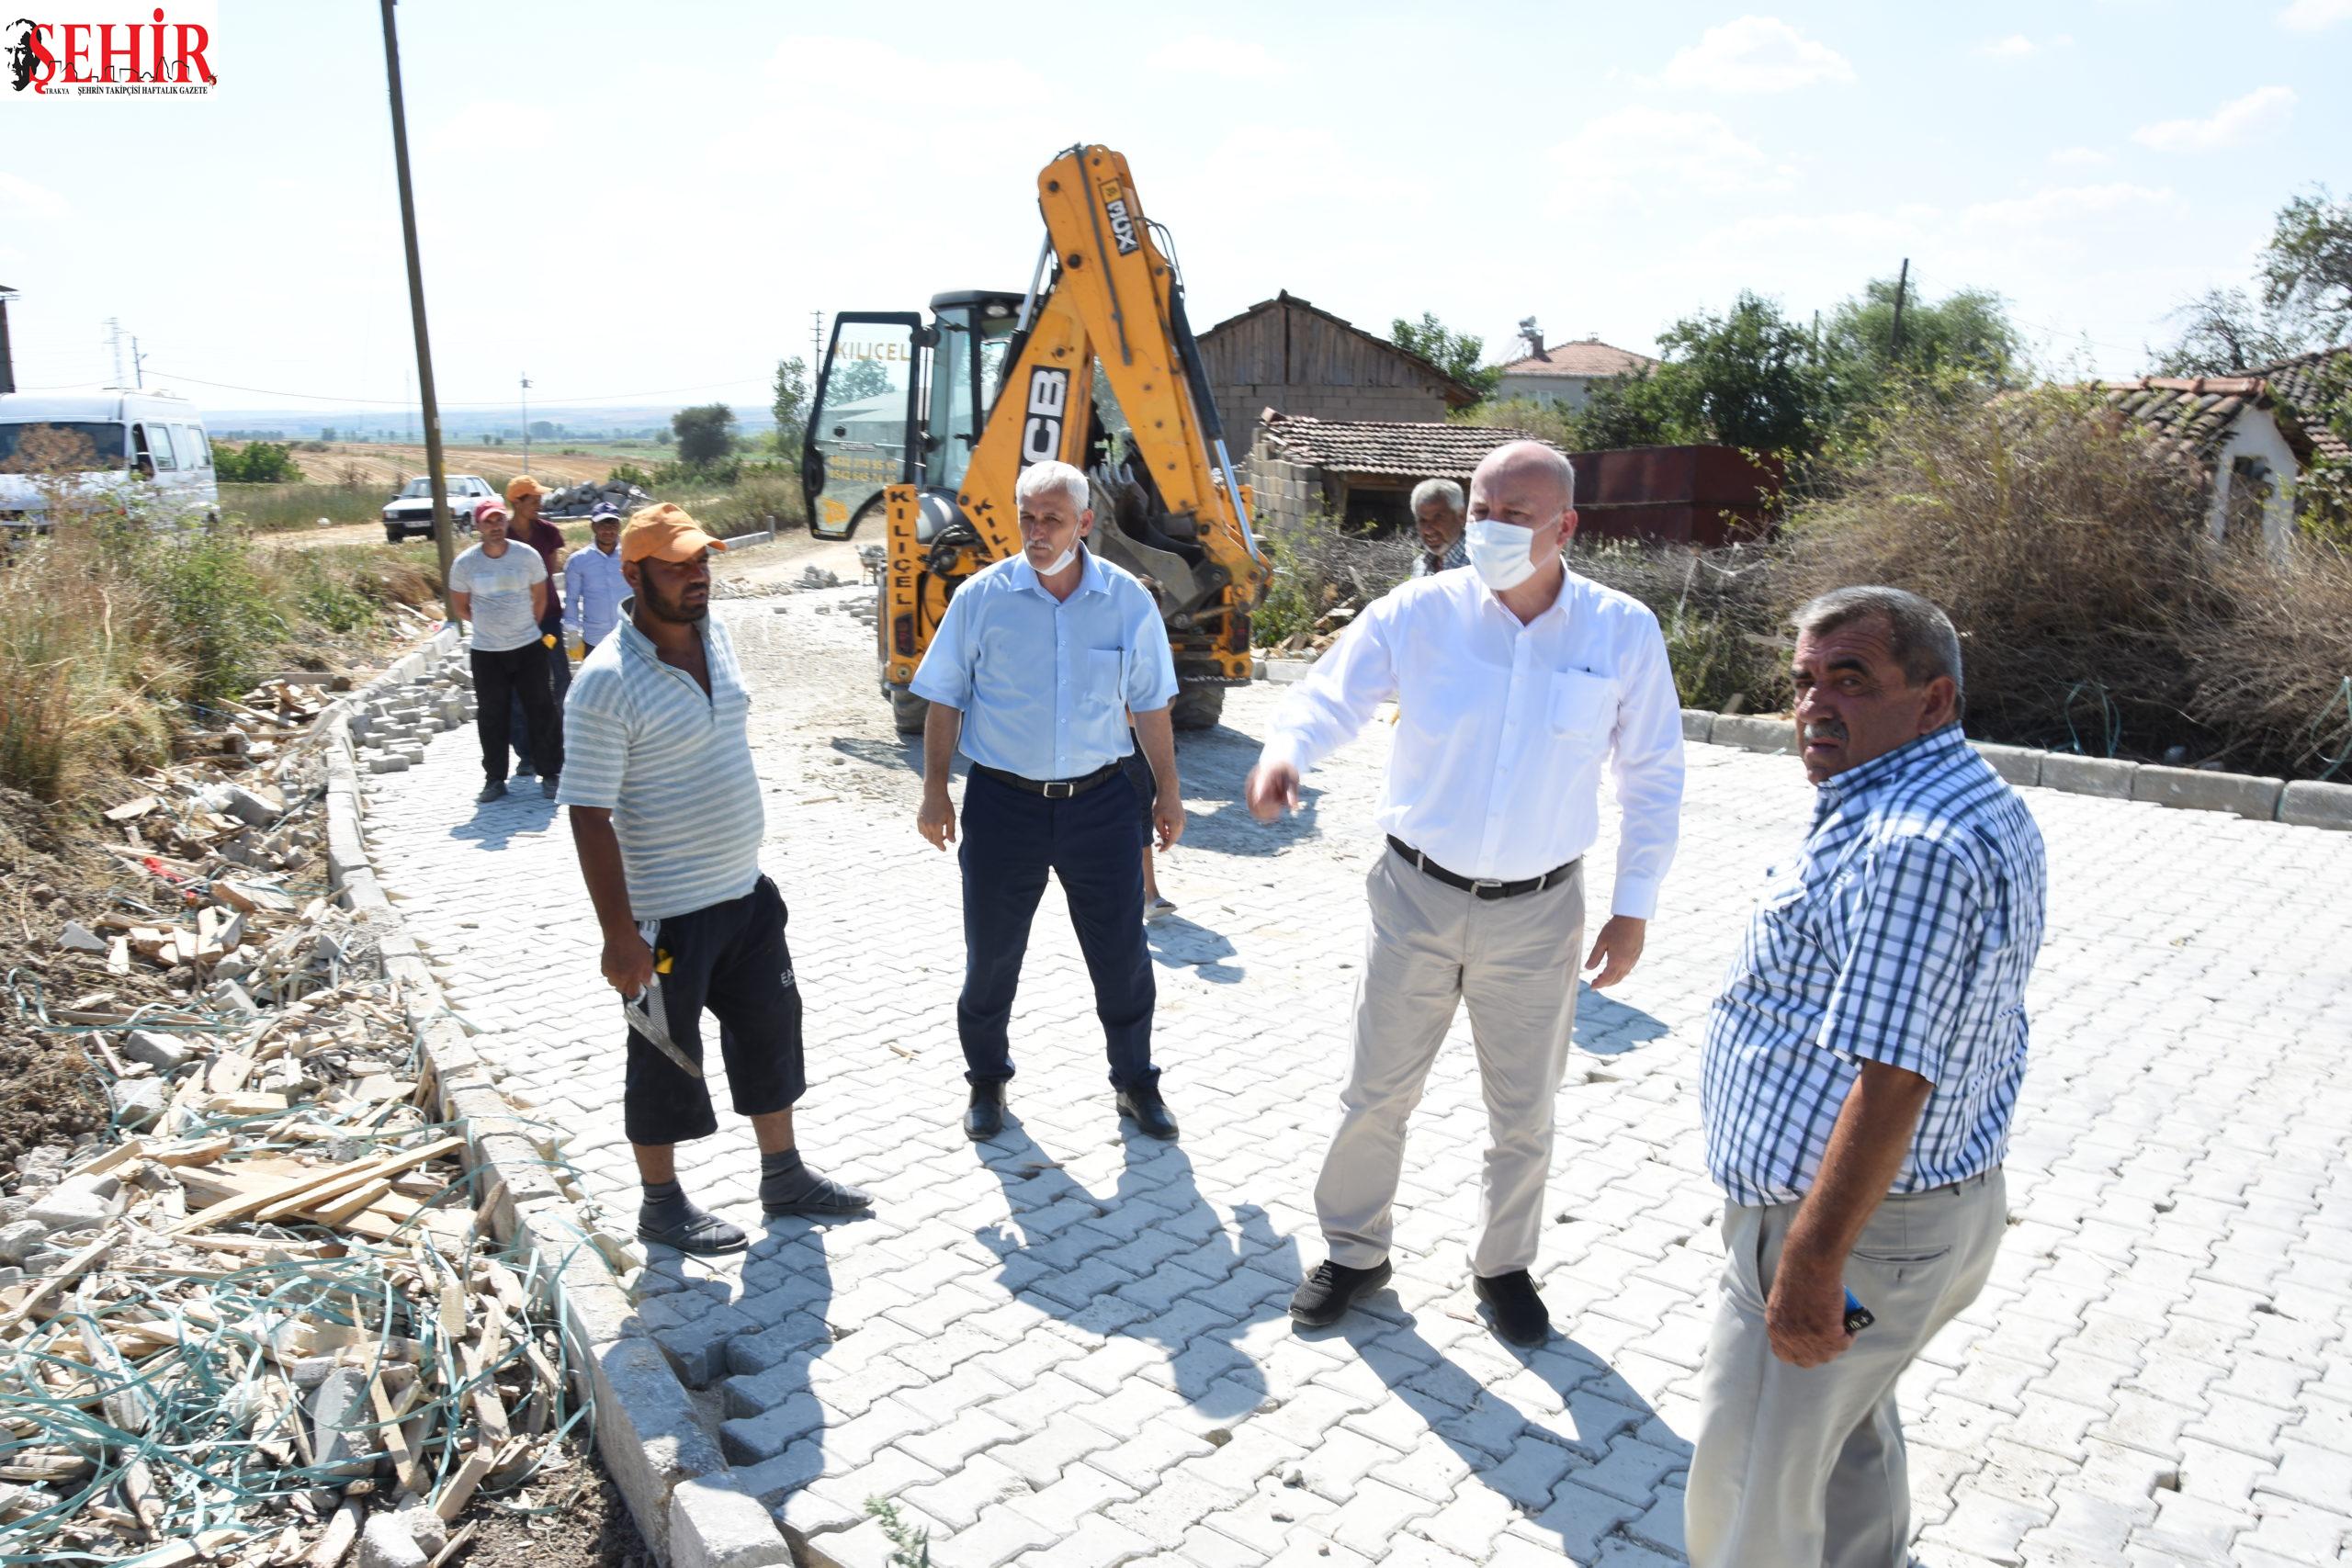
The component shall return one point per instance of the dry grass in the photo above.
(2095, 612)
(370, 465)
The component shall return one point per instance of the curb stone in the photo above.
(2302, 803)
(667, 1467)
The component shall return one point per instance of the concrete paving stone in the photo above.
(2182, 1253)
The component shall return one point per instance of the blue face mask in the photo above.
(1501, 553)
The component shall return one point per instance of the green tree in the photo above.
(1966, 334)
(1456, 354)
(1747, 378)
(256, 463)
(2224, 332)
(1652, 409)
(791, 405)
(2307, 268)
(706, 435)
(855, 380)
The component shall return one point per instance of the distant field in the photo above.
(376, 466)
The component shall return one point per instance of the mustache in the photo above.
(1825, 729)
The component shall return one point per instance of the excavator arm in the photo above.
(1115, 301)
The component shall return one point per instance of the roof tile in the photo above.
(1403, 450)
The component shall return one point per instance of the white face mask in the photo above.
(1501, 552)
(1062, 562)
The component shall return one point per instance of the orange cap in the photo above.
(665, 533)
(522, 485)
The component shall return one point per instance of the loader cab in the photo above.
(901, 402)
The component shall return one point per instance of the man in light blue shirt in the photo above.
(592, 585)
(1034, 671)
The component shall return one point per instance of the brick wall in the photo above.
(1287, 492)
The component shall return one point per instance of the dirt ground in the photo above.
(588, 1526)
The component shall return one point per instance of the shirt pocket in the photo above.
(1106, 679)
(1583, 708)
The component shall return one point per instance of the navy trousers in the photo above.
(1093, 843)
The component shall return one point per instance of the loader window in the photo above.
(967, 367)
(862, 434)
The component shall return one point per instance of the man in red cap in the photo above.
(666, 818)
(524, 496)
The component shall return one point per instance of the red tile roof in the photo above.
(2312, 385)
(1590, 357)
(2192, 415)
(1401, 450)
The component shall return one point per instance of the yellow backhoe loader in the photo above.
(925, 426)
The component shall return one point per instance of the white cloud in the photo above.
(2313, 16)
(2081, 158)
(31, 200)
(2234, 124)
(492, 126)
(1239, 59)
(2064, 206)
(2017, 46)
(1756, 54)
(1642, 148)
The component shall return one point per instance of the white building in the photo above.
(1565, 375)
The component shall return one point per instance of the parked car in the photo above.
(411, 512)
(130, 437)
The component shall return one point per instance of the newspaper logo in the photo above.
(97, 52)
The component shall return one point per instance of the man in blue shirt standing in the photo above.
(1034, 670)
(1860, 1069)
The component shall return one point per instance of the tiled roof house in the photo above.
(2248, 433)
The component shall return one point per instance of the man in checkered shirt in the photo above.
(1860, 1068)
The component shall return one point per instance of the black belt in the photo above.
(1484, 887)
(1052, 789)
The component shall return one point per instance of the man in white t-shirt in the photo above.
(503, 592)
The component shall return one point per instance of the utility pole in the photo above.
(1901, 282)
(526, 424)
(138, 364)
(114, 347)
(816, 344)
(432, 406)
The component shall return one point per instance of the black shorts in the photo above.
(731, 959)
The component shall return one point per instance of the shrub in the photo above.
(1720, 612)
(1319, 564)
(256, 463)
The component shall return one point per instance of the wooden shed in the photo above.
(1285, 355)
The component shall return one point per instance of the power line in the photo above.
(490, 403)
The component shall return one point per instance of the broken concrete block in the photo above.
(138, 1102)
(19, 1240)
(165, 1053)
(340, 1422)
(384, 1542)
(427, 1528)
(79, 938)
(72, 1209)
(258, 809)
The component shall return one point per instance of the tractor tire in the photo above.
(908, 712)
(1197, 708)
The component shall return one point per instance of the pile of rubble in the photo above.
(580, 500)
(262, 1321)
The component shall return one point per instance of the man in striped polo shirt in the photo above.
(1860, 1068)
(665, 815)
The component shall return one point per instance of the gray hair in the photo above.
(1444, 491)
(1925, 642)
(1043, 478)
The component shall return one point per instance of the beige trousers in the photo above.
(1804, 1468)
(1514, 961)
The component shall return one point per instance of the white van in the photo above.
(132, 438)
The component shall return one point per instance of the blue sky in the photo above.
(629, 199)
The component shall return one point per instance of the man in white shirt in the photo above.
(1436, 518)
(1514, 682)
(503, 590)
(592, 585)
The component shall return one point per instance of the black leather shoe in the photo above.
(1323, 1297)
(1151, 1115)
(495, 790)
(1518, 1310)
(984, 1118)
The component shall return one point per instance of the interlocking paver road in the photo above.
(1069, 1348)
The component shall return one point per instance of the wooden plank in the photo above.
(327, 1184)
(72, 1270)
(460, 1490)
(337, 1209)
